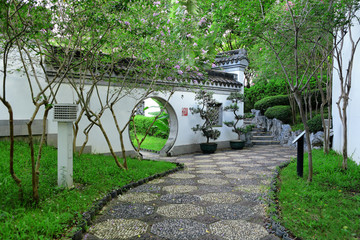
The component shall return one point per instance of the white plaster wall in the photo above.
(185, 134)
(17, 89)
(18, 95)
(354, 102)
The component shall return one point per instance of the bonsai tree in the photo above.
(237, 98)
(207, 109)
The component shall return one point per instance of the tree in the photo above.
(343, 68)
(207, 109)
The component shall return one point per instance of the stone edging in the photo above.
(273, 226)
(89, 215)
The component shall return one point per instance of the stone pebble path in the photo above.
(217, 197)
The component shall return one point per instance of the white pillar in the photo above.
(65, 154)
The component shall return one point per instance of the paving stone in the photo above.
(252, 188)
(130, 211)
(118, 228)
(146, 236)
(232, 169)
(224, 163)
(202, 157)
(240, 176)
(157, 181)
(177, 181)
(204, 161)
(179, 229)
(251, 165)
(221, 158)
(214, 188)
(180, 188)
(261, 173)
(206, 166)
(213, 181)
(138, 197)
(221, 198)
(146, 188)
(182, 175)
(189, 163)
(230, 211)
(180, 210)
(238, 229)
(254, 197)
(259, 157)
(180, 198)
(208, 171)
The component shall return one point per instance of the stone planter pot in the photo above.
(237, 144)
(208, 147)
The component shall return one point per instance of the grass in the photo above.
(150, 142)
(327, 208)
(59, 209)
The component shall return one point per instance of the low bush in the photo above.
(142, 123)
(263, 89)
(315, 124)
(267, 102)
(283, 113)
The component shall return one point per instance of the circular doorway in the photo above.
(155, 126)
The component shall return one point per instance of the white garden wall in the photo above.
(17, 90)
(354, 102)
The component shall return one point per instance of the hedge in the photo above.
(142, 124)
(283, 113)
(315, 124)
(271, 101)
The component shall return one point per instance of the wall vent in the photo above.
(65, 112)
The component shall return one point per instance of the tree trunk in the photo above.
(86, 133)
(344, 122)
(11, 153)
(42, 142)
(110, 147)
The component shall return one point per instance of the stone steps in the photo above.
(265, 142)
(259, 136)
(263, 137)
(254, 133)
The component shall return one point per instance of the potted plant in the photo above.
(207, 108)
(236, 98)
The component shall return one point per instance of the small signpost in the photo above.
(300, 154)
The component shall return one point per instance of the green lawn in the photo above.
(327, 208)
(94, 176)
(150, 142)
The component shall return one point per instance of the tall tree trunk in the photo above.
(42, 142)
(36, 197)
(343, 118)
(110, 146)
(11, 152)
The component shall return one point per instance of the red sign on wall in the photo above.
(184, 111)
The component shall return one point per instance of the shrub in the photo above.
(142, 124)
(315, 124)
(267, 102)
(263, 89)
(283, 113)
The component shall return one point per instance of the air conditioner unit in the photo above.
(64, 112)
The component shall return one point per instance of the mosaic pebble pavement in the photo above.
(217, 197)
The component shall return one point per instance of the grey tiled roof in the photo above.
(231, 57)
(219, 78)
